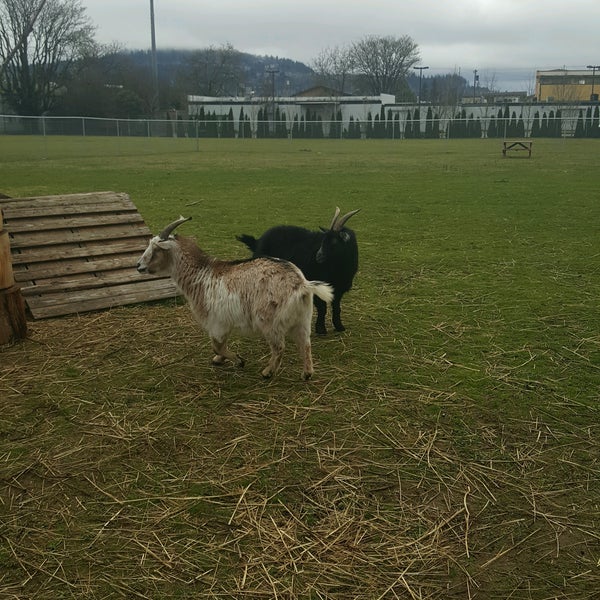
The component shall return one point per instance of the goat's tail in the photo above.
(249, 240)
(321, 290)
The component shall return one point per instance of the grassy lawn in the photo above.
(447, 446)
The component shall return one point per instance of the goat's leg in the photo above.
(302, 337)
(336, 313)
(277, 346)
(222, 353)
(321, 312)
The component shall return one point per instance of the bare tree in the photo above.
(383, 62)
(214, 71)
(10, 45)
(39, 43)
(333, 67)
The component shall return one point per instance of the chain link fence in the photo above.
(60, 136)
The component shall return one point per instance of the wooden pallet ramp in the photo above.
(77, 253)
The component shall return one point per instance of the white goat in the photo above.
(261, 295)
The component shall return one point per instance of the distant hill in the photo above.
(291, 76)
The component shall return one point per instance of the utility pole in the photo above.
(420, 69)
(155, 102)
(593, 68)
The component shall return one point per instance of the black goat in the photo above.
(329, 255)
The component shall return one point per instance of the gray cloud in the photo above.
(508, 36)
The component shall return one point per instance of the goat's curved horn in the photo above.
(339, 223)
(335, 217)
(166, 232)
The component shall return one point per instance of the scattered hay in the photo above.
(132, 468)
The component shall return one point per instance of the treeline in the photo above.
(311, 126)
(588, 126)
(388, 125)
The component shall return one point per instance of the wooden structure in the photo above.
(517, 146)
(13, 322)
(78, 253)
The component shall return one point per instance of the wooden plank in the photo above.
(127, 294)
(78, 236)
(69, 199)
(85, 281)
(53, 253)
(72, 209)
(130, 289)
(41, 271)
(53, 223)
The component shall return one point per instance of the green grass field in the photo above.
(447, 446)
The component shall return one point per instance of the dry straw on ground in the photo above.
(132, 468)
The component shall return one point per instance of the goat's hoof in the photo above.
(218, 360)
(306, 376)
(266, 374)
(339, 327)
(320, 330)
(240, 362)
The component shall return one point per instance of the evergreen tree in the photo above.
(241, 123)
(369, 126)
(262, 125)
(520, 127)
(558, 123)
(282, 131)
(580, 127)
(201, 122)
(462, 127)
(435, 132)
(247, 128)
(212, 128)
(396, 131)
(595, 133)
(492, 131)
(535, 126)
(377, 128)
(544, 126)
(408, 128)
(512, 125)
(504, 122)
(416, 124)
(429, 123)
(227, 129)
(389, 125)
(351, 134)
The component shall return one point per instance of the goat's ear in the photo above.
(345, 236)
(163, 244)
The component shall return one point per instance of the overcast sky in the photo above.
(506, 40)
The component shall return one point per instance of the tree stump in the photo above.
(13, 322)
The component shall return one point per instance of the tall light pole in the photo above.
(420, 69)
(475, 80)
(593, 68)
(155, 104)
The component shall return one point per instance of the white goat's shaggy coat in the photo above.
(266, 296)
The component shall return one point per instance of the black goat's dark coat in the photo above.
(339, 250)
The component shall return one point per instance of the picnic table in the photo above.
(517, 146)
